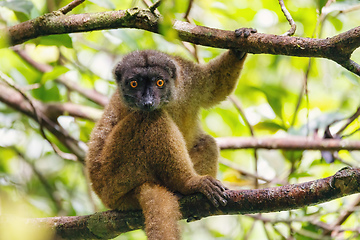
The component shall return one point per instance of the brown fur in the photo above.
(138, 159)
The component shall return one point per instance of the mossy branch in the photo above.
(338, 48)
(104, 225)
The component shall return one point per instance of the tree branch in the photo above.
(55, 110)
(51, 110)
(188, 9)
(338, 48)
(47, 186)
(349, 65)
(348, 122)
(15, 100)
(288, 143)
(37, 115)
(289, 18)
(109, 224)
(90, 94)
(153, 7)
(71, 6)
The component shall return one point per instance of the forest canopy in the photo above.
(292, 119)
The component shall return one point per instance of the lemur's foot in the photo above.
(244, 32)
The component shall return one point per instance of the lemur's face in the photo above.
(146, 80)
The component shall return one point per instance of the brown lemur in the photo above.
(149, 144)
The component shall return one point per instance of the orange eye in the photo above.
(133, 84)
(160, 83)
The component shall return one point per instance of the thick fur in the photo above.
(138, 159)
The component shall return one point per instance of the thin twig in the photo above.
(38, 118)
(192, 48)
(238, 106)
(350, 9)
(349, 121)
(304, 90)
(248, 174)
(45, 122)
(349, 65)
(289, 18)
(287, 143)
(186, 15)
(153, 7)
(148, 3)
(48, 188)
(313, 219)
(350, 134)
(90, 94)
(344, 215)
(71, 6)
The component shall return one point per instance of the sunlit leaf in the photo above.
(4, 42)
(298, 175)
(55, 40)
(55, 73)
(321, 4)
(293, 156)
(270, 126)
(48, 92)
(274, 95)
(336, 23)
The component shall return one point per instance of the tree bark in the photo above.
(338, 48)
(104, 225)
(287, 143)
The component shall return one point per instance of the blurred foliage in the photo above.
(35, 182)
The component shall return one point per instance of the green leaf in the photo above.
(293, 156)
(321, 4)
(57, 40)
(318, 162)
(336, 23)
(18, 5)
(22, 17)
(308, 228)
(276, 104)
(298, 175)
(48, 92)
(274, 95)
(270, 126)
(104, 3)
(55, 73)
(4, 41)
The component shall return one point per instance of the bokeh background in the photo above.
(35, 182)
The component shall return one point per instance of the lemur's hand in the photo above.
(242, 32)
